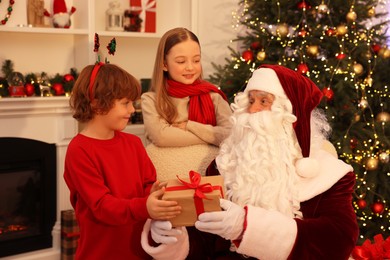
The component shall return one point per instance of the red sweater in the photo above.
(109, 181)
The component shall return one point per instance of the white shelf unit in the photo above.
(54, 50)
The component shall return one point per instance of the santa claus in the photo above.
(288, 196)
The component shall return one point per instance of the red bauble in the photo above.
(255, 45)
(247, 55)
(330, 32)
(58, 89)
(302, 68)
(328, 93)
(68, 77)
(362, 203)
(30, 89)
(340, 56)
(376, 48)
(377, 207)
(303, 4)
(353, 143)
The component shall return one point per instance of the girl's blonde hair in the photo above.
(164, 105)
(111, 83)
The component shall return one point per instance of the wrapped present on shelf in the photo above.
(70, 234)
(195, 195)
(147, 14)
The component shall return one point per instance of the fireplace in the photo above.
(27, 192)
(45, 121)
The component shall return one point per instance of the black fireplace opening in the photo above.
(27, 195)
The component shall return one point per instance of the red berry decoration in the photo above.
(328, 93)
(302, 68)
(362, 203)
(377, 207)
(247, 55)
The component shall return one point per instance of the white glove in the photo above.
(162, 232)
(228, 224)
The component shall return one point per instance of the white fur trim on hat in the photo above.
(265, 79)
(307, 167)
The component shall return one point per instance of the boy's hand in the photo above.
(161, 209)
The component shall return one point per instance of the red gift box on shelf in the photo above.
(147, 13)
(195, 195)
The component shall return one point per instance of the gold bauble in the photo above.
(368, 81)
(357, 118)
(363, 104)
(371, 12)
(367, 55)
(384, 53)
(363, 36)
(312, 50)
(383, 117)
(384, 157)
(358, 68)
(282, 30)
(341, 29)
(371, 164)
(261, 55)
(323, 8)
(351, 16)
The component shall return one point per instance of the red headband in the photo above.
(92, 79)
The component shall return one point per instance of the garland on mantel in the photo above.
(9, 12)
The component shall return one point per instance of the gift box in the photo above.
(70, 234)
(147, 13)
(195, 195)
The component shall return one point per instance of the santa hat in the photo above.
(304, 96)
(59, 6)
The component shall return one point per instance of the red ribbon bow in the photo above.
(200, 189)
(379, 250)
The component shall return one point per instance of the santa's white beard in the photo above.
(257, 160)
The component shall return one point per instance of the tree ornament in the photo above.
(376, 48)
(384, 52)
(358, 68)
(302, 68)
(363, 104)
(9, 12)
(363, 36)
(303, 5)
(353, 143)
(372, 164)
(340, 56)
(61, 15)
(356, 117)
(312, 50)
(328, 93)
(351, 16)
(302, 33)
(361, 203)
(247, 55)
(111, 47)
(330, 32)
(371, 12)
(282, 30)
(341, 30)
(255, 46)
(377, 207)
(383, 117)
(323, 8)
(368, 81)
(384, 157)
(261, 55)
(68, 77)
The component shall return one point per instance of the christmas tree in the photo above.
(341, 46)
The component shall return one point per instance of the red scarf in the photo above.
(201, 108)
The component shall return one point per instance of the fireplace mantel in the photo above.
(46, 119)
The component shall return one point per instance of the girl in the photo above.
(185, 117)
(108, 172)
